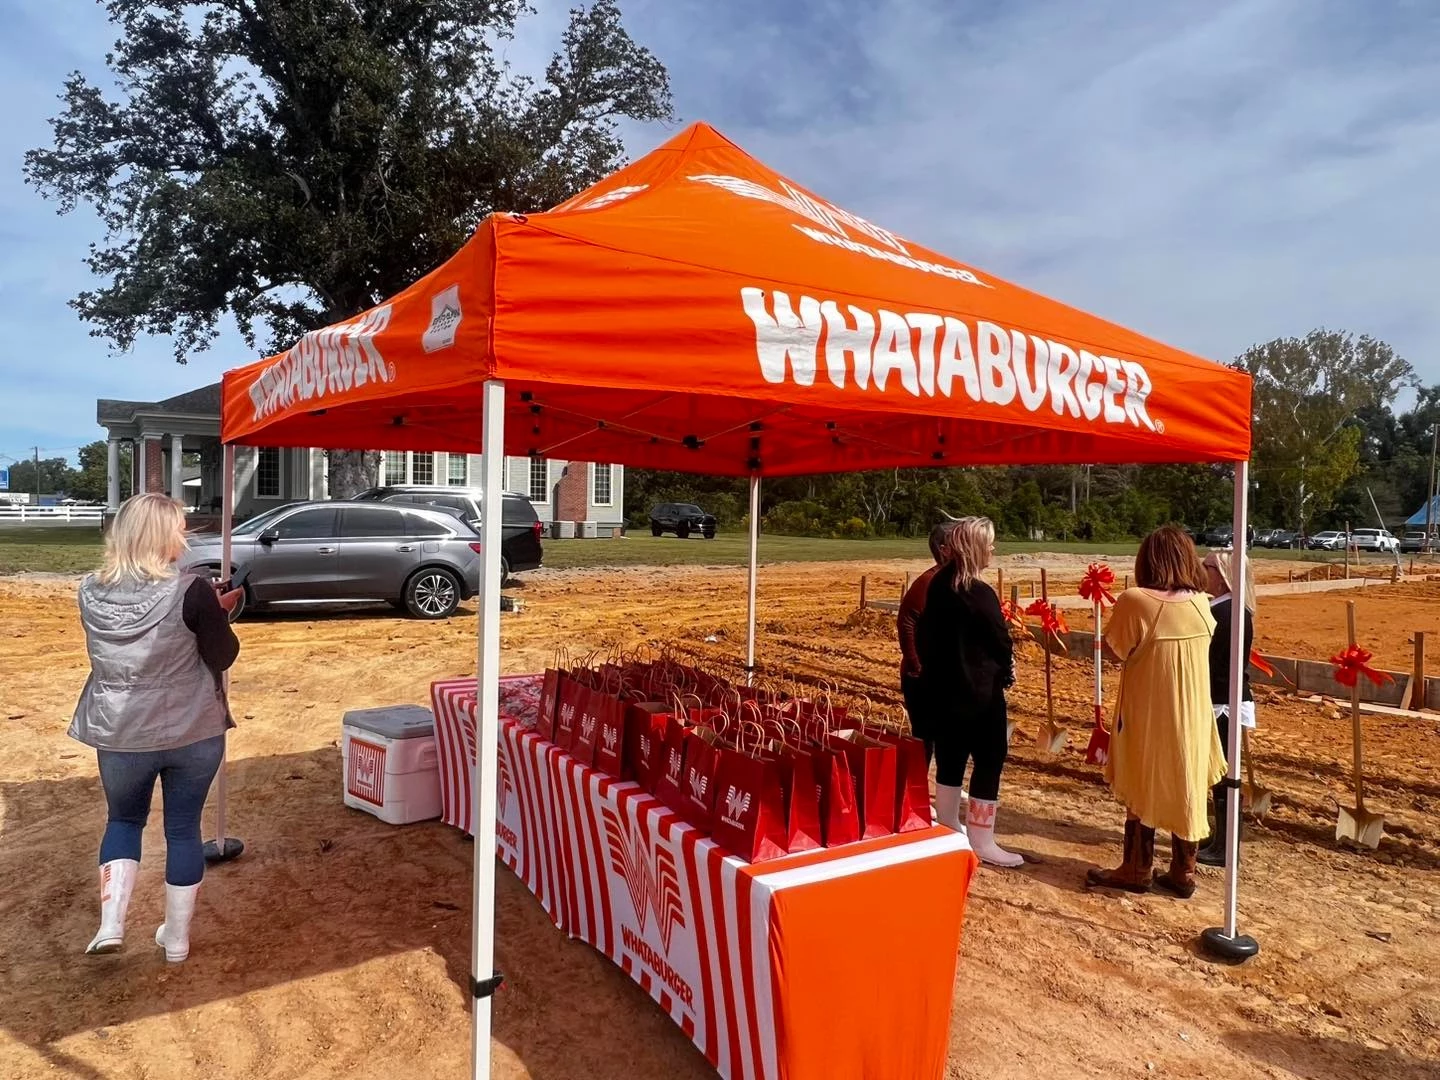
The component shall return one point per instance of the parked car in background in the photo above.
(1374, 540)
(682, 519)
(1414, 541)
(520, 526)
(424, 561)
(1281, 538)
(1328, 540)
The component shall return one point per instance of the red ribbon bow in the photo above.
(1010, 612)
(1260, 664)
(1095, 585)
(1354, 662)
(1051, 621)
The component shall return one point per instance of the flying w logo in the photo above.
(503, 783)
(737, 804)
(654, 886)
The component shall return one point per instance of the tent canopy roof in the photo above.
(697, 311)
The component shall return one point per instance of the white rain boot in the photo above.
(948, 801)
(981, 817)
(174, 933)
(117, 882)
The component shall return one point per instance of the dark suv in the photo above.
(682, 519)
(520, 527)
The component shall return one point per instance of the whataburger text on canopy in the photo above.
(928, 352)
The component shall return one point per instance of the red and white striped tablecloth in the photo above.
(835, 963)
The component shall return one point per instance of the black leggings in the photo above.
(978, 735)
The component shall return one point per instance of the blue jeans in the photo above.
(129, 781)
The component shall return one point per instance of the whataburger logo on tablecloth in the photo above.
(654, 885)
(932, 354)
(503, 783)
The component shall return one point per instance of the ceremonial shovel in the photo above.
(1053, 737)
(1358, 825)
(1257, 798)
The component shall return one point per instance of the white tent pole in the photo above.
(750, 602)
(1227, 941)
(483, 977)
(220, 850)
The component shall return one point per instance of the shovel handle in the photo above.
(1355, 716)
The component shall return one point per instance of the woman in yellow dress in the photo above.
(1165, 753)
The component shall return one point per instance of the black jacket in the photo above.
(1220, 653)
(964, 644)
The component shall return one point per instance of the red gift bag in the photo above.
(912, 782)
(697, 794)
(803, 831)
(749, 805)
(570, 695)
(835, 792)
(587, 726)
(645, 723)
(610, 741)
(872, 764)
(666, 780)
(549, 703)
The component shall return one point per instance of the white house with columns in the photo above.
(580, 498)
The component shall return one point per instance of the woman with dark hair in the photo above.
(966, 665)
(1165, 753)
(912, 606)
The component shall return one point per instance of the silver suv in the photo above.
(424, 561)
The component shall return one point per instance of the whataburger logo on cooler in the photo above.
(932, 354)
(325, 362)
(837, 225)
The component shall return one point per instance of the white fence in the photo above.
(51, 515)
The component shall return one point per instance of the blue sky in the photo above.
(1214, 174)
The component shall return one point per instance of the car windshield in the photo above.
(690, 508)
(258, 524)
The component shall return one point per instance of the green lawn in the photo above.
(75, 549)
(56, 549)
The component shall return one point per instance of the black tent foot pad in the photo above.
(1236, 950)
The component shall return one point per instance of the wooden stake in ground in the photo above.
(1052, 736)
(1358, 825)
(862, 592)
(1417, 674)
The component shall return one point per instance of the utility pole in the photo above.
(37, 475)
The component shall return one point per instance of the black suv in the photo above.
(682, 519)
(520, 527)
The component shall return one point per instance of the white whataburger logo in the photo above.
(611, 737)
(736, 806)
(836, 225)
(620, 194)
(327, 362)
(698, 786)
(445, 316)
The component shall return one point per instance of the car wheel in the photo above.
(432, 593)
(683, 532)
(504, 571)
(655, 530)
(709, 536)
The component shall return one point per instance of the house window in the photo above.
(422, 467)
(601, 495)
(394, 467)
(458, 466)
(267, 473)
(539, 480)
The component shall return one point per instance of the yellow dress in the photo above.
(1165, 751)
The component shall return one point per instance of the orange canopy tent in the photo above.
(697, 311)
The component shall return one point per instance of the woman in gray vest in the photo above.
(153, 708)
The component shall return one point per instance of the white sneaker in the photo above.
(174, 933)
(117, 882)
(981, 818)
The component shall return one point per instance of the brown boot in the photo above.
(1180, 878)
(1133, 873)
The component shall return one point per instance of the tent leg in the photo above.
(1227, 942)
(484, 980)
(224, 848)
(750, 601)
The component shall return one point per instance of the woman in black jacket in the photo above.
(966, 665)
(1217, 571)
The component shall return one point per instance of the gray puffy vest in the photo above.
(148, 688)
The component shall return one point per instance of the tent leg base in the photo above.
(218, 851)
(1215, 944)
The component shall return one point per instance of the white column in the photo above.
(487, 715)
(177, 467)
(112, 473)
(139, 452)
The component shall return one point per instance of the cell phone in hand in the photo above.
(237, 580)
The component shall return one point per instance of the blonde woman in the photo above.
(1217, 575)
(1164, 754)
(966, 665)
(153, 708)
